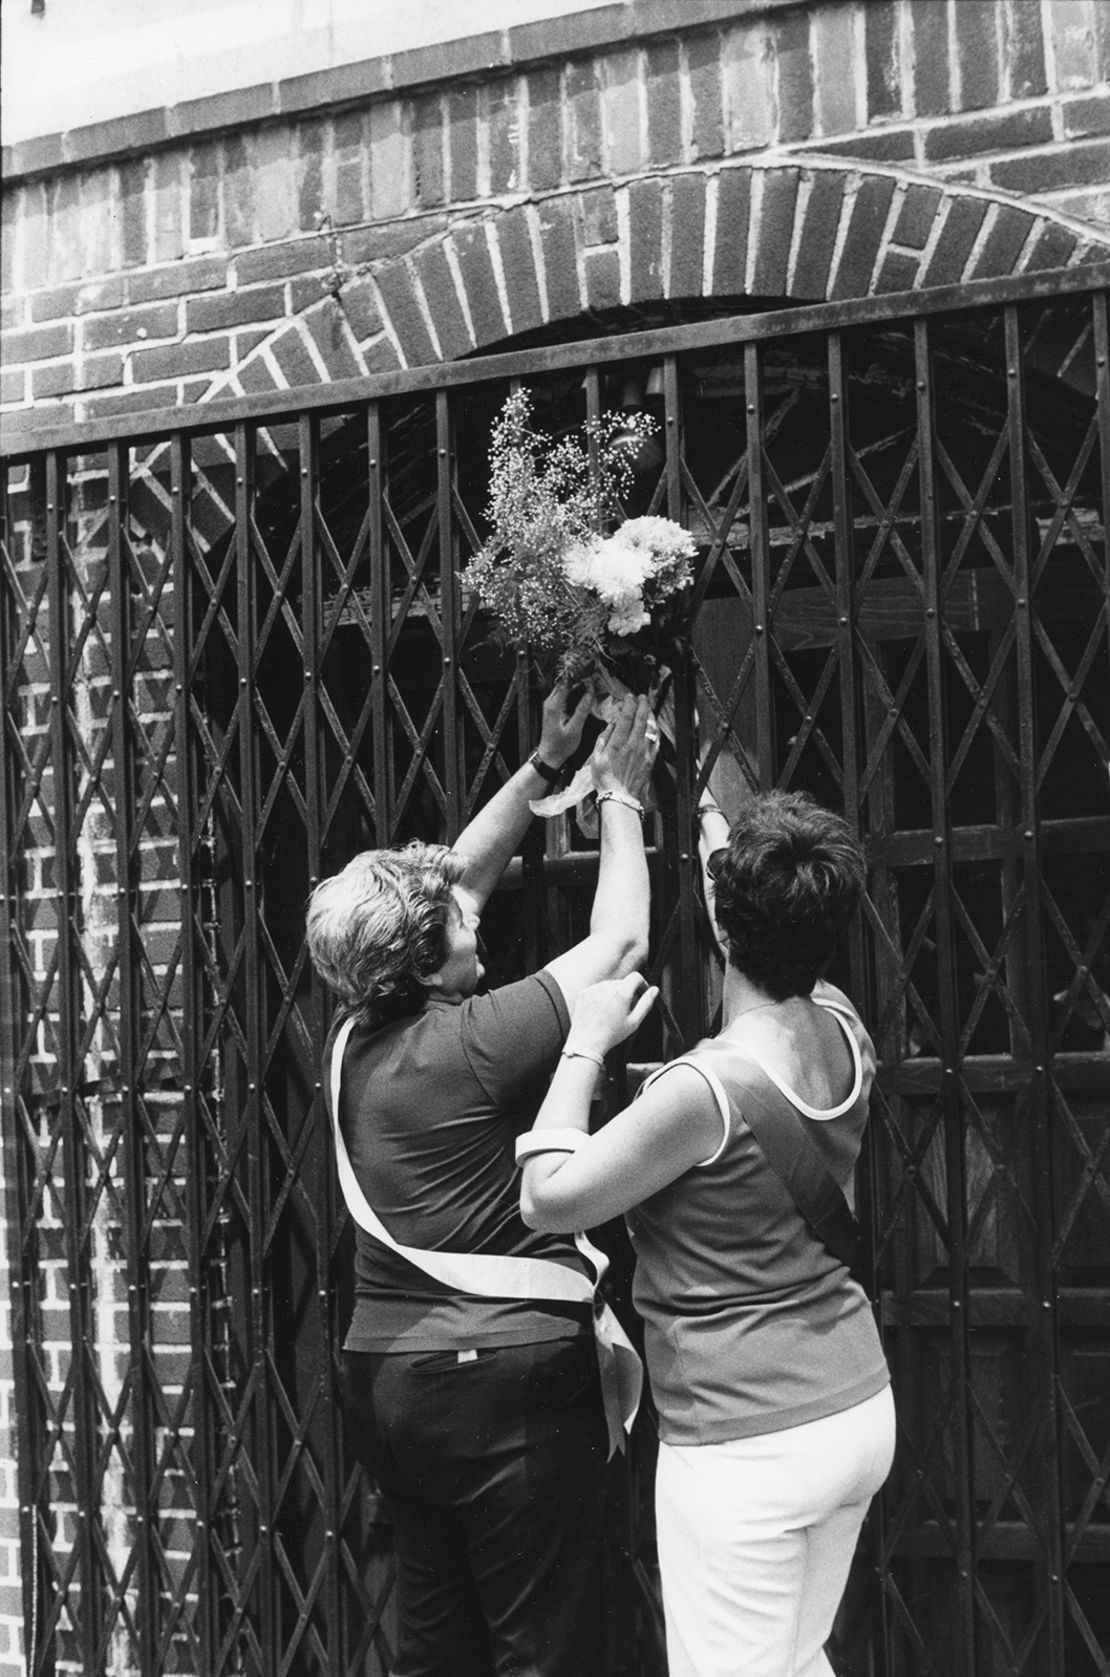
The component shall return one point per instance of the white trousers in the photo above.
(756, 1537)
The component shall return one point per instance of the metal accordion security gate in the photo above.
(236, 648)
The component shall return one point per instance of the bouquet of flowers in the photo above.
(600, 606)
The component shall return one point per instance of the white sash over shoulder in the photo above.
(488, 1275)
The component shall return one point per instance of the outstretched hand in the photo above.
(562, 730)
(624, 753)
(607, 1013)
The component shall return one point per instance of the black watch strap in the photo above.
(544, 770)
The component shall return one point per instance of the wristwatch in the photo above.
(545, 771)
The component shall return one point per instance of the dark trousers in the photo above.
(492, 1472)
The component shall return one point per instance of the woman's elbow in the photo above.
(539, 1214)
(633, 955)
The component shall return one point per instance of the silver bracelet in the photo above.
(710, 809)
(621, 798)
(569, 1053)
(549, 1141)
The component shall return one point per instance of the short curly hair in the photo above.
(379, 927)
(785, 887)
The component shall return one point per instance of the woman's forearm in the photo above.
(622, 901)
(488, 843)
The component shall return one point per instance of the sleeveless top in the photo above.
(750, 1324)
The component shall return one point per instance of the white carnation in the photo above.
(629, 617)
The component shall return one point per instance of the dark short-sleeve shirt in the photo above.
(430, 1107)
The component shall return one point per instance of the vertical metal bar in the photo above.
(69, 1072)
(192, 1031)
(21, 1253)
(453, 753)
(760, 548)
(851, 734)
(962, 1465)
(383, 778)
(844, 547)
(1045, 1326)
(688, 997)
(252, 1119)
(1099, 309)
(134, 1148)
(324, 1218)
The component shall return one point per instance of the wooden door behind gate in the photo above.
(236, 652)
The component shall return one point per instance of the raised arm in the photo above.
(618, 938)
(489, 842)
(575, 1181)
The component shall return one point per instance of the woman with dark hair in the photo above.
(775, 1419)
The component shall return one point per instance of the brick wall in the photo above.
(146, 270)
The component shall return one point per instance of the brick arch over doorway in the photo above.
(786, 233)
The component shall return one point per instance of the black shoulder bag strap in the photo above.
(796, 1160)
(792, 1154)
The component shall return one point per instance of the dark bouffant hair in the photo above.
(785, 888)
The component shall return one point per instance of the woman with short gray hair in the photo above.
(480, 1416)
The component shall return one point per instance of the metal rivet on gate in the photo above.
(376, 669)
(1046, 1304)
(834, 397)
(330, 1535)
(1013, 372)
(242, 681)
(937, 840)
(956, 1306)
(684, 855)
(442, 453)
(929, 612)
(921, 385)
(1021, 602)
(1039, 1070)
(759, 628)
(317, 1085)
(372, 462)
(670, 419)
(1028, 834)
(843, 620)
(949, 1071)
(200, 1525)
(263, 1529)
(447, 663)
(751, 407)
(304, 471)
